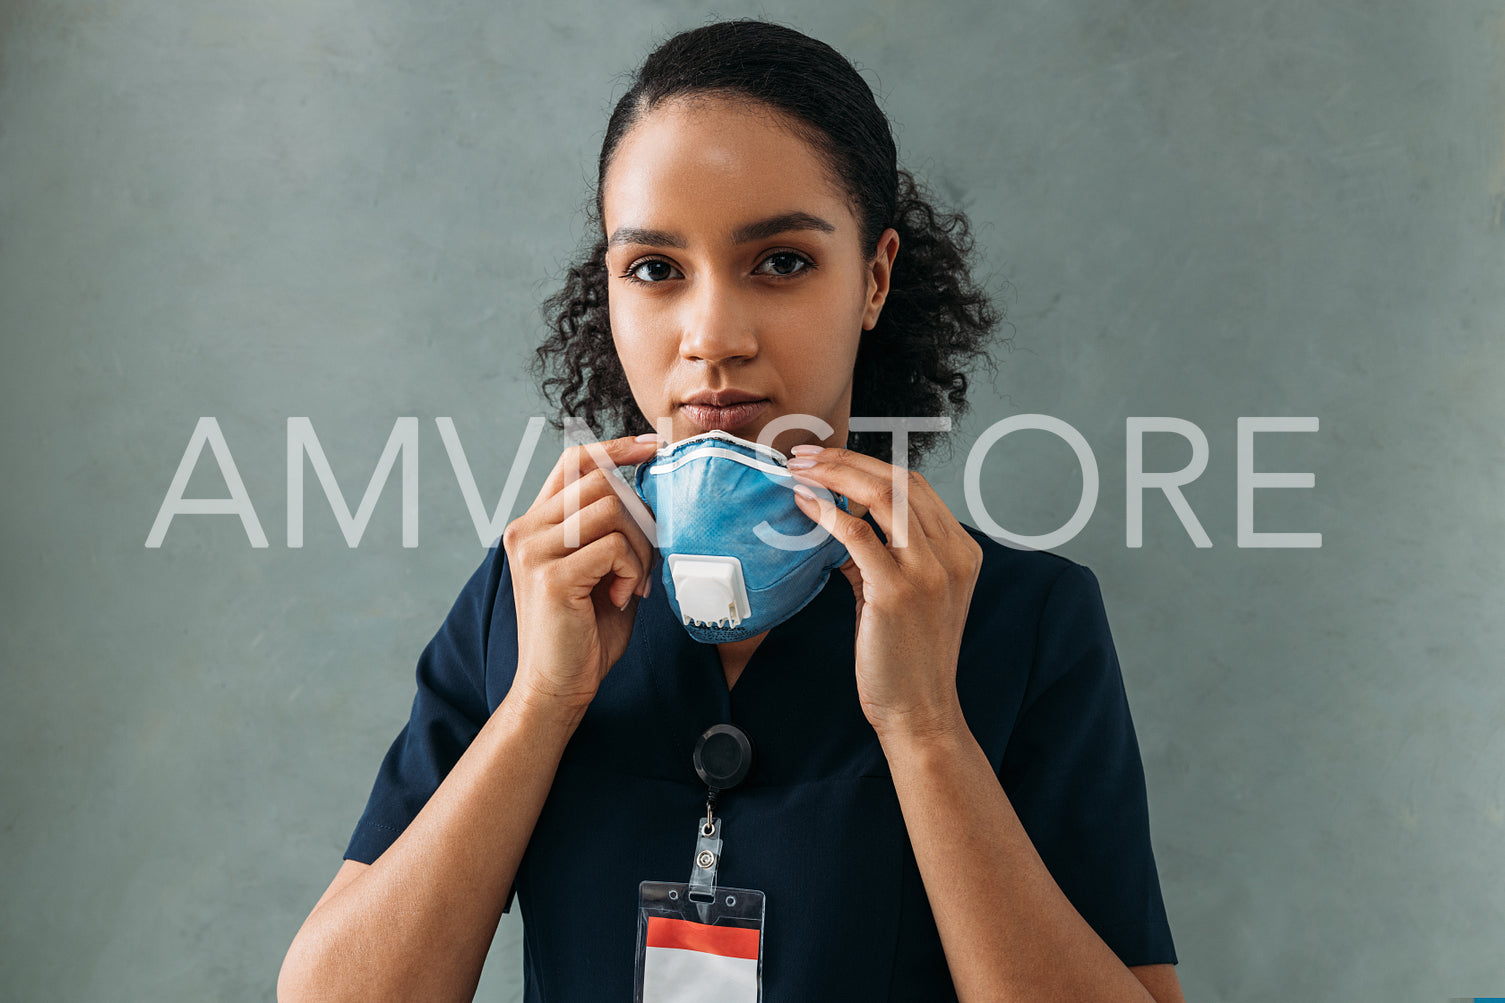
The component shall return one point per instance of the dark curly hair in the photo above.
(935, 322)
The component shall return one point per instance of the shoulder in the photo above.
(1022, 585)
(1058, 598)
(1035, 618)
(487, 593)
(459, 657)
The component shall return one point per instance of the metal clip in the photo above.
(707, 858)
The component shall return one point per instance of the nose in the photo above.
(718, 324)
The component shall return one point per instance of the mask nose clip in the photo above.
(710, 589)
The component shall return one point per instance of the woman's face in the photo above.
(738, 287)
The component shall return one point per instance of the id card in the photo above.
(694, 951)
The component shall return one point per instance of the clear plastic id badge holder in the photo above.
(698, 941)
(692, 952)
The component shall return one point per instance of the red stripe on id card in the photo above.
(727, 941)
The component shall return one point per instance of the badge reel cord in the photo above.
(723, 757)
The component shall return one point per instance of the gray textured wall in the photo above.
(350, 211)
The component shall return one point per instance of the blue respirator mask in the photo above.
(739, 556)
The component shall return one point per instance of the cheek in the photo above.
(641, 355)
(626, 335)
(823, 375)
(820, 355)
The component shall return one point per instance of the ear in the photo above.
(879, 270)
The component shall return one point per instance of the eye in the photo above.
(652, 271)
(658, 268)
(787, 264)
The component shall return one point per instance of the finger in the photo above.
(908, 488)
(601, 518)
(588, 509)
(608, 454)
(895, 475)
(872, 558)
(901, 501)
(594, 485)
(611, 555)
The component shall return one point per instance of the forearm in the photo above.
(418, 922)
(1008, 931)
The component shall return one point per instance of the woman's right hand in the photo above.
(576, 604)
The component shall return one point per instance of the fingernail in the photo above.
(646, 437)
(805, 449)
(803, 463)
(804, 492)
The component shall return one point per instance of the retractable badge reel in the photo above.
(697, 939)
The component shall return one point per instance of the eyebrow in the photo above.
(760, 230)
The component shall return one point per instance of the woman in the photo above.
(946, 799)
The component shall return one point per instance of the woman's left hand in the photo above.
(912, 600)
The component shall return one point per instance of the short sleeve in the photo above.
(1073, 774)
(448, 711)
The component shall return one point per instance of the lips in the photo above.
(726, 410)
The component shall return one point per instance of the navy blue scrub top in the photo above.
(816, 825)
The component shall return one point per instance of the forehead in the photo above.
(717, 158)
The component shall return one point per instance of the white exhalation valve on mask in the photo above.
(710, 589)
